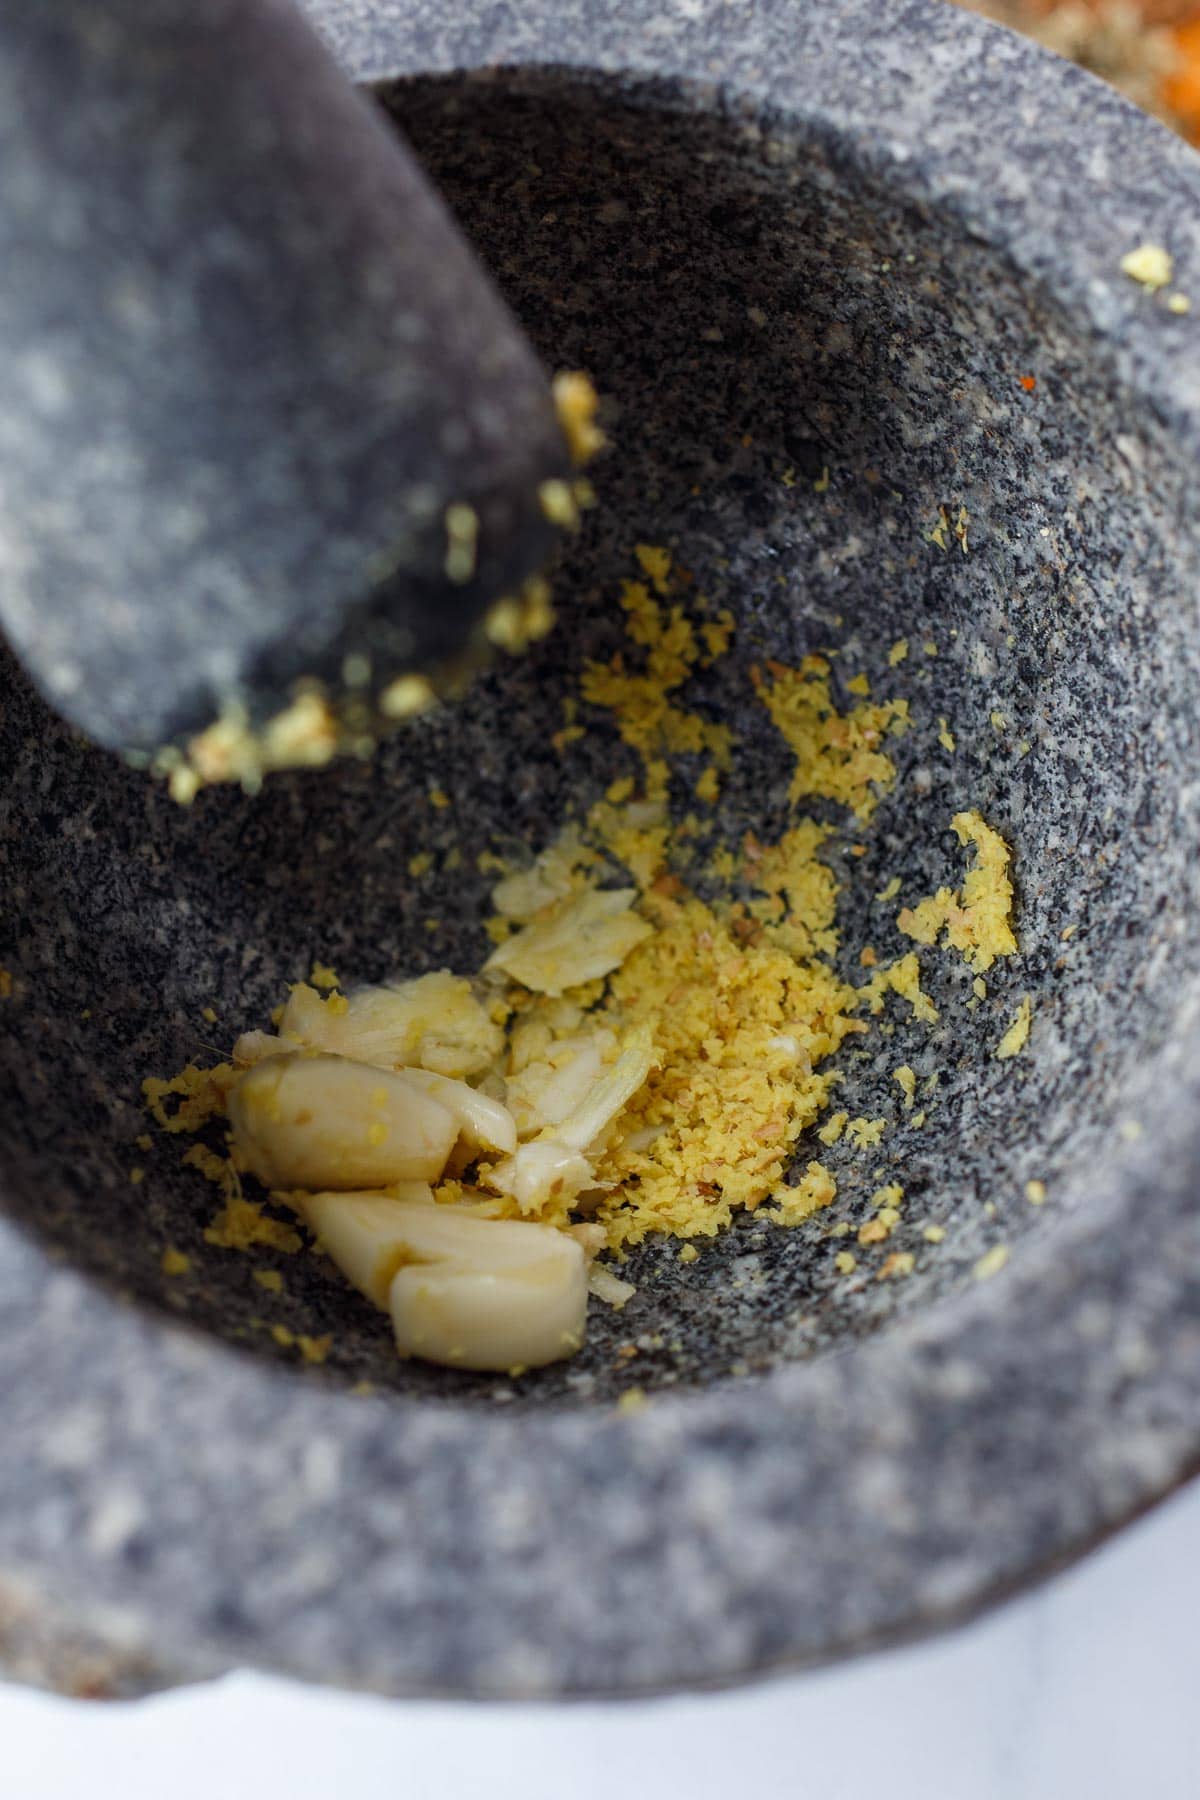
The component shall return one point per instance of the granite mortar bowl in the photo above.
(835, 277)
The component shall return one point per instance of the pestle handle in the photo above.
(247, 364)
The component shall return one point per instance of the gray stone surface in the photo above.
(835, 241)
(246, 365)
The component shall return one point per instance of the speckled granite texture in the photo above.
(837, 243)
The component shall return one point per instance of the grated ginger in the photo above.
(978, 919)
(640, 700)
(838, 757)
(739, 1033)
(631, 1060)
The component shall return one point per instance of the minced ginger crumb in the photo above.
(1017, 1035)
(866, 1133)
(174, 1262)
(887, 1202)
(708, 788)
(739, 1033)
(800, 908)
(312, 1349)
(991, 1262)
(576, 403)
(243, 1225)
(833, 1128)
(903, 977)
(1149, 265)
(201, 1094)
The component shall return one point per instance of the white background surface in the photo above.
(1088, 1689)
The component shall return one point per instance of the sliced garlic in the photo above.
(484, 1123)
(615, 1089)
(575, 940)
(434, 1022)
(364, 1233)
(547, 1091)
(478, 1293)
(554, 1166)
(328, 1122)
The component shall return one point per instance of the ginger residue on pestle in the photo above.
(314, 727)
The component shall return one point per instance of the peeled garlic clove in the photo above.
(366, 1235)
(488, 1294)
(327, 1122)
(483, 1122)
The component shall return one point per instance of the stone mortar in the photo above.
(835, 241)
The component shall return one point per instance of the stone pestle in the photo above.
(263, 417)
